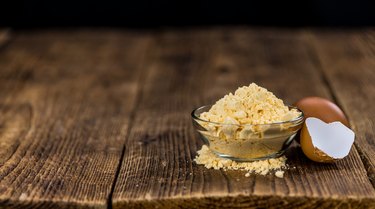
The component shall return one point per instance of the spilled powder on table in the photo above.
(210, 160)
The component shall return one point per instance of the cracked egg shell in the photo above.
(325, 142)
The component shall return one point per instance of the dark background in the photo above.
(144, 13)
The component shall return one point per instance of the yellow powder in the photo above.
(249, 105)
(279, 174)
(210, 160)
(241, 136)
(242, 115)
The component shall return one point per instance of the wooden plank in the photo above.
(348, 62)
(65, 104)
(192, 68)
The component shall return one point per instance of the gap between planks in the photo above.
(139, 92)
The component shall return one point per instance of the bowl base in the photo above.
(277, 154)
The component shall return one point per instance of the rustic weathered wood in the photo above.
(348, 62)
(65, 103)
(192, 68)
(68, 100)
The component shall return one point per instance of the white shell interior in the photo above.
(334, 139)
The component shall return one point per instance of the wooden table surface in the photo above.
(101, 118)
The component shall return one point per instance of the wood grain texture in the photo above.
(65, 103)
(72, 101)
(348, 62)
(193, 68)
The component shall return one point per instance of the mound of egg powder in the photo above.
(248, 105)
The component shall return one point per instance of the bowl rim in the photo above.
(296, 120)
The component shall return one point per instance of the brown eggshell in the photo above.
(323, 109)
(309, 150)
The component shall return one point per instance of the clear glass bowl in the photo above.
(246, 142)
